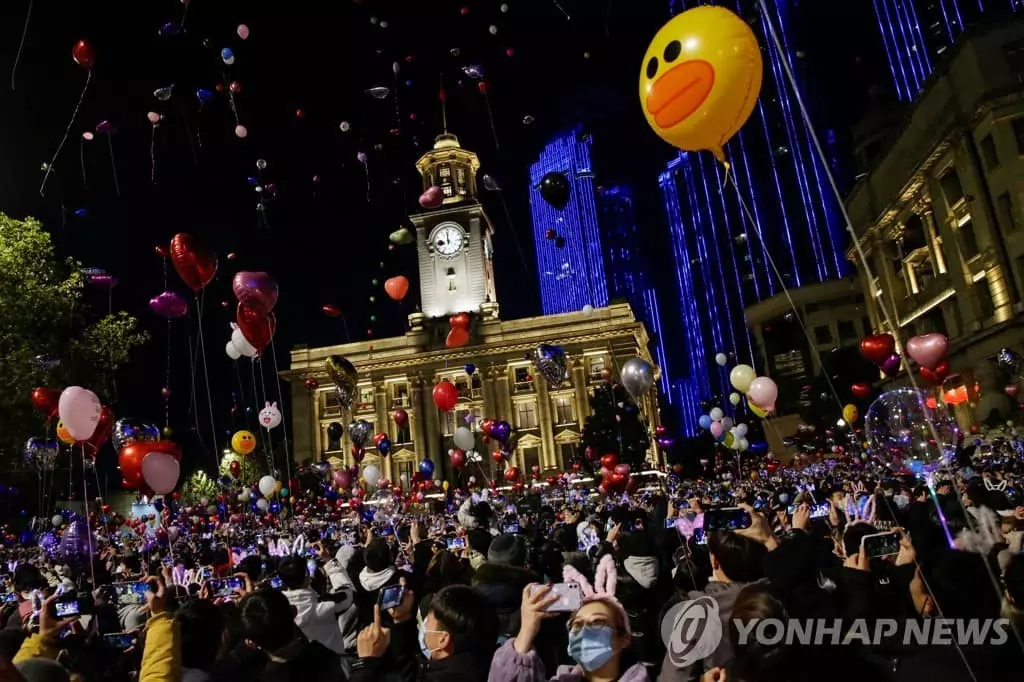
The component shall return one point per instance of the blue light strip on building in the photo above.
(653, 319)
(574, 276)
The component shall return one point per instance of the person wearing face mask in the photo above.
(599, 635)
(455, 639)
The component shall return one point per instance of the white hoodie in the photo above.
(341, 584)
(316, 618)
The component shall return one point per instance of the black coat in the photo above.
(314, 663)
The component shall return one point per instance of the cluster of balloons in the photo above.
(146, 462)
(257, 295)
(927, 350)
(724, 430)
(84, 421)
(615, 477)
(761, 392)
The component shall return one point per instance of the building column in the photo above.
(502, 396)
(432, 424)
(490, 403)
(305, 423)
(380, 397)
(546, 420)
(954, 263)
(934, 249)
(889, 284)
(579, 384)
(419, 436)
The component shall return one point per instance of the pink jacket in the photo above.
(508, 665)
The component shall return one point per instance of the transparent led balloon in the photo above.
(901, 425)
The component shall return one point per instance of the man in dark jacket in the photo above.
(456, 640)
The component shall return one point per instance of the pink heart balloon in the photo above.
(432, 197)
(258, 290)
(927, 349)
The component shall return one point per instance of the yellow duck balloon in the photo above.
(243, 442)
(700, 79)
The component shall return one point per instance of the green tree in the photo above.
(48, 335)
(615, 426)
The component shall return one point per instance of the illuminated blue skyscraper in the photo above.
(629, 274)
(915, 33)
(721, 266)
(568, 241)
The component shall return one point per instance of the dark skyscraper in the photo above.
(721, 265)
(917, 32)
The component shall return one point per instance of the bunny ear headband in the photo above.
(995, 487)
(606, 578)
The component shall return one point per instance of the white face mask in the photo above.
(901, 500)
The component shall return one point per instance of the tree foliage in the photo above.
(198, 486)
(48, 336)
(615, 426)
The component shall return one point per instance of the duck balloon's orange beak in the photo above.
(679, 92)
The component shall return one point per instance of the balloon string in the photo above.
(21, 44)
(193, 358)
(67, 131)
(284, 422)
(512, 230)
(113, 163)
(267, 454)
(81, 163)
(490, 116)
(562, 10)
(88, 526)
(152, 155)
(206, 379)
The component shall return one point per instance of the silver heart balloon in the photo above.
(129, 431)
(41, 453)
(360, 432)
(551, 362)
(637, 376)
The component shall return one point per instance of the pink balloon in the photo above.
(241, 131)
(160, 471)
(153, 117)
(258, 290)
(928, 349)
(342, 479)
(433, 197)
(243, 31)
(716, 429)
(762, 391)
(79, 409)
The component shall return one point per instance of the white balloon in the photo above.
(741, 430)
(721, 359)
(742, 445)
(734, 398)
(268, 485)
(262, 504)
(727, 423)
(716, 414)
(741, 376)
(232, 352)
(588, 310)
(204, 501)
(371, 474)
(464, 438)
(245, 495)
(243, 346)
(57, 520)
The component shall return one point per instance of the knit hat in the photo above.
(507, 549)
(605, 581)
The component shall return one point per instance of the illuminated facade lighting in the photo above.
(916, 33)
(572, 276)
(721, 264)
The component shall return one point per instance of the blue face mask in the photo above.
(591, 647)
(426, 650)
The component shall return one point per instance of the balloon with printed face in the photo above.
(270, 416)
(243, 442)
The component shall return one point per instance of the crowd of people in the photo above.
(552, 586)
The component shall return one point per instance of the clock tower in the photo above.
(454, 240)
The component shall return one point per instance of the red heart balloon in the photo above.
(194, 261)
(616, 480)
(861, 389)
(938, 375)
(256, 289)
(100, 437)
(459, 321)
(511, 474)
(257, 328)
(46, 400)
(877, 348)
(456, 338)
(609, 461)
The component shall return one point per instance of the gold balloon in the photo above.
(343, 374)
(850, 414)
(63, 434)
(700, 79)
(757, 410)
(243, 442)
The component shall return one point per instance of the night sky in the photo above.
(323, 241)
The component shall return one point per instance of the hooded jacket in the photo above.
(725, 595)
(317, 619)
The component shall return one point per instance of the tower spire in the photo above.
(444, 105)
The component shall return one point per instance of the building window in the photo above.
(597, 366)
(460, 180)
(401, 434)
(400, 395)
(366, 398)
(1004, 209)
(986, 307)
(462, 385)
(968, 239)
(526, 415)
(333, 444)
(847, 332)
(444, 174)
(565, 412)
(531, 458)
(822, 334)
(568, 453)
(866, 326)
(951, 187)
(522, 379)
(1018, 133)
(405, 473)
(988, 152)
(331, 401)
(476, 391)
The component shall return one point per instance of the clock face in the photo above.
(448, 239)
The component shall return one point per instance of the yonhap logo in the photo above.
(691, 631)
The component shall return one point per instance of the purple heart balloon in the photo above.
(891, 366)
(169, 305)
(500, 431)
(928, 349)
(258, 290)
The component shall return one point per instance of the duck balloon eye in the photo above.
(652, 67)
(672, 51)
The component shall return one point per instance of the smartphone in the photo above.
(728, 518)
(670, 523)
(881, 544)
(510, 528)
(121, 640)
(568, 597)
(818, 511)
(456, 543)
(66, 607)
(276, 582)
(699, 536)
(391, 596)
(10, 598)
(131, 594)
(225, 587)
(206, 536)
(383, 532)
